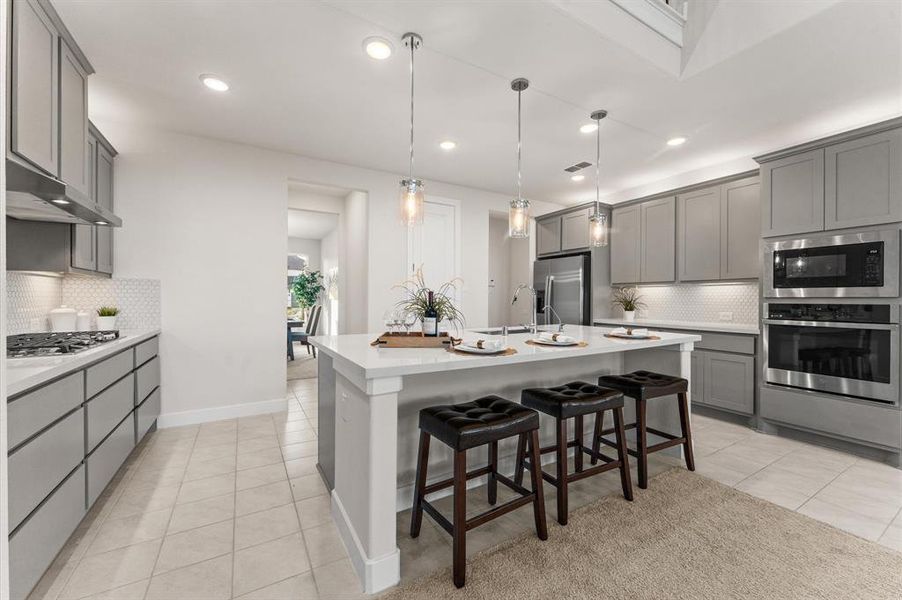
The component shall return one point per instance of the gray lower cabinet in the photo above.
(864, 181)
(106, 459)
(33, 546)
(548, 235)
(698, 234)
(729, 381)
(792, 194)
(146, 414)
(147, 378)
(107, 409)
(146, 350)
(100, 376)
(29, 413)
(626, 244)
(658, 222)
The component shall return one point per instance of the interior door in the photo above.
(433, 246)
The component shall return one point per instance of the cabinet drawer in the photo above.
(33, 547)
(727, 342)
(31, 412)
(146, 350)
(146, 414)
(874, 425)
(106, 410)
(148, 378)
(103, 463)
(41, 464)
(104, 373)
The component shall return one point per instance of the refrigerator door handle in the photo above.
(549, 288)
(582, 296)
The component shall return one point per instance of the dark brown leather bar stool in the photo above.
(484, 421)
(576, 400)
(642, 386)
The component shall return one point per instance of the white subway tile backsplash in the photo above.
(701, 302)
(29, 299)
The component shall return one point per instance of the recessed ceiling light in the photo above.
(377, 47)
(577, 177)
(60, 201)
(214, 83)
(448, 145)
(677, 141)
(588, 128)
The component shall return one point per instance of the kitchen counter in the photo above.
(369, 400)
(718, 327)
(22, 374)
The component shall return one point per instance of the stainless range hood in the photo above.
(35, 196)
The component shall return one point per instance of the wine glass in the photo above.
(396, 319)
(388, 320)
(410, 318)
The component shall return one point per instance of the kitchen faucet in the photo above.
(533, 327)
(560, 322)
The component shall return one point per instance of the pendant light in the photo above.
(598, 221)
(413, 191)
(518, 215)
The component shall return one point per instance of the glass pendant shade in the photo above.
(518, 219)
(598, 229)
(413, 193)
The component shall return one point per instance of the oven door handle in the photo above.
(834, 324)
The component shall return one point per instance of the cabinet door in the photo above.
(105, 199)
(34, 93)
(792, 194)
(739, 234)
(698, 236)
(697, 377)
(73, 122)
(864, 181)
(84, 243)
(626, 244)
(575, 230)
(548, 235)
(658, 219)
(730, 382)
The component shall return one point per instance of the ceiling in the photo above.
(310, 225)
(301, 82)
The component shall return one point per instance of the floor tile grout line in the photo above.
(890, 524)
(234, 519)
(822, 488)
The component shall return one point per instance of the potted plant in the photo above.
(416, 300)
(106, 318)
(307, 288)
(629, 300)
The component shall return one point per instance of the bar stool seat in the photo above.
(484, 421)
(643, 386)
(576, 400)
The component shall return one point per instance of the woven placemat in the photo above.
(576, 345)
(505, 352)
(621, 337)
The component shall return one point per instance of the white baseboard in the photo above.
(219, 413)
(375, 574)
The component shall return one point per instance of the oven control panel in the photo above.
(847, 313)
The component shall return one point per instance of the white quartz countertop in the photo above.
(378, 362)
(719, 327)
(23, 374)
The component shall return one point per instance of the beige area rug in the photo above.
(684, 537)
(303, 366)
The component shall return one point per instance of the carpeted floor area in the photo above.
(684, 537)
(303, 366)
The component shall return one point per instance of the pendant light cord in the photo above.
(412, 46)
(519, 178)
(597, 168)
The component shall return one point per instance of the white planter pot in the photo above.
(106, 323)
(629, 315)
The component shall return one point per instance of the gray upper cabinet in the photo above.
(658, 222)
(740, 203)
(575, 230)
(864, 181)
(92, 245)
(626, 244)
(74, 163)
(792, 194)
(84, 244)
(34, 93)
(698, 234)
(105, 198)
(548, 235)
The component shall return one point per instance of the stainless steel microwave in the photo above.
(857, 265)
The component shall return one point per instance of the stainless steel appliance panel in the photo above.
(563, 284)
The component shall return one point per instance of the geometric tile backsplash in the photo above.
(701, 302)
(30, 297)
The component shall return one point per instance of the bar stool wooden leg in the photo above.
(578, 436)
(521, 455)
(561, 471)
(596, 435)
(623, 455)
(641, 444)
(684, 425)
(416, 515)
(493, 482)
(535, 476)
(459, 534)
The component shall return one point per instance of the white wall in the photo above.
(330, 260)
(308, 248)
(358, 241)
(221, 261)
(499, 272)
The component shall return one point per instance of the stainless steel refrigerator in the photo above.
(564, 285)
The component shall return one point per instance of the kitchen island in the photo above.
(370, 397)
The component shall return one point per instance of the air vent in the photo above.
(577, 167)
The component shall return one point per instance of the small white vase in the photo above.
(629, 315)
(106, 323)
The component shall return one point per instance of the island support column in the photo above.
(366, 455)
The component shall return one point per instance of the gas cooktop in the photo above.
(57, 343)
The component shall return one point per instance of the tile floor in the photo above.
(236, 509)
